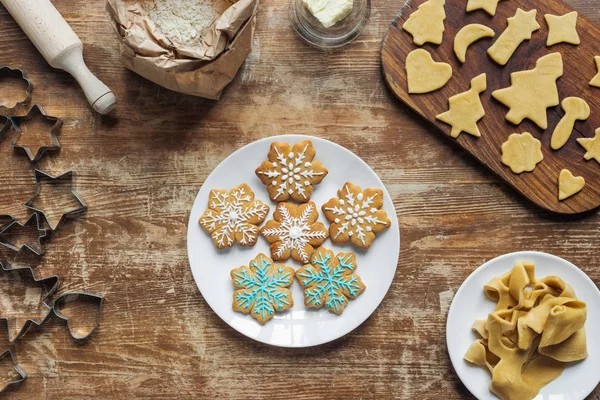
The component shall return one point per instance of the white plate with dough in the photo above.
(469, 304)
(299, 326)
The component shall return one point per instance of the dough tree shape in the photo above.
(596, 80)
(562, 29)
(233, 216)
(592, 146)
(423, 75)
(520, 28)
(290, 172)
(262, 288)
(569, 185)
(489, 6)
(294, 231)
(522, 152)
(426, 24)
(532, 92)
(330, 280)
(467, 36)
(466, 109)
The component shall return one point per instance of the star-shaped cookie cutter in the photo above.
(39, 250)
(35, 111)
(41, 176)
(19, 74)
(51, 284)
(16, 368)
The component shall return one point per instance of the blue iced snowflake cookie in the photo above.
(329, 280)
(262, 288)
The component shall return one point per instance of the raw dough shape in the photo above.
(522, 152)
(466, 109)
(576, 109)
(532, 92)
(569, 185)
(562, 29)
(596, 81)
(469, 35)
(424, 75)
(427, 23)
(488, 5)
(592, 146)
(520, 28)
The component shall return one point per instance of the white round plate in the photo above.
(299, 326)
(578, 380)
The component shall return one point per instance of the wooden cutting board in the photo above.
(540, 186)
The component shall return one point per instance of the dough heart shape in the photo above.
(424, 75)
(569, 185)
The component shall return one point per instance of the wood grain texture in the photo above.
(140, 170)
(579, 68)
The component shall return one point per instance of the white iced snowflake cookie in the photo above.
(290, 172)
(294, 232)
(233, 216)
(356, 216)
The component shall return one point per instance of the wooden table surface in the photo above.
(140, 170)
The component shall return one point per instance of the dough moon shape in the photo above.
(592, 146)
(427, 23)
(522, 153)
(576, 109)
(488, 6)
(569, 185)
(466, 109)
(424, 75)
(525, 102)
(469, 35)
(562, 29)
(520, 28)
(596, 81)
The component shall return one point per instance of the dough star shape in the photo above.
(466, 109)
(569, 185)
(562, 29)
(522, 153)
(427, 23)
(520, 28)
(489, 6)
(294, 231)
(596, 81)
(233, 216)
(592, 146)
(469, 35)
(532, 92)
(423, 75)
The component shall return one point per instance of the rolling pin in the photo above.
(60, 46)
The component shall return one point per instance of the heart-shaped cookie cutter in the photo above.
(76, 296)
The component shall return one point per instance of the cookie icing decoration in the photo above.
(592, 146)
(522, 153)
(262, 288)
(356, 215)
(562, 29)
(233, 216)
(532, 92)
(466, 109)
(290, 172)
(520, 28)
(576, 109)
(596, 80)
(329, 280)
(426, 24)
(469, 35)
(569, 185)
(489, 6)
(424, 75)
(294, 231)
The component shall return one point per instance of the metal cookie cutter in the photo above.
(77, 297)
(50, 286)
(35, 112)
(41, 177)
(8, 72)
(39, 250)
(16, 368)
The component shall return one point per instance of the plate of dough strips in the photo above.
(293, 241)
(524, 326)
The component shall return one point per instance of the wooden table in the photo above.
(140, 170)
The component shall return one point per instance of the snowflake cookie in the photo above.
(233, 216)
(294, 231)
(356, 216)
(262, 288)
(329, 280)
(290, 172)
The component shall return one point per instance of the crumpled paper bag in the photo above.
(201, 71)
